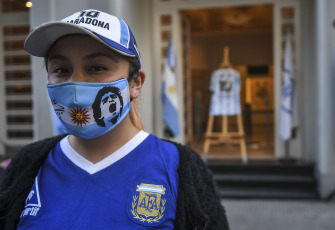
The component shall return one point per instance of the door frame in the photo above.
(173, 7)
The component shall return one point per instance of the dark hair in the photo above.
(96, 104)
(134, 67)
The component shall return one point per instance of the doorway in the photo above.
(247, 31)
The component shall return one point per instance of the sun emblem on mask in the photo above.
(79, 116)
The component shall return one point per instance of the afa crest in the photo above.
(148, 206)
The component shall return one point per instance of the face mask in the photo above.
(89, 110)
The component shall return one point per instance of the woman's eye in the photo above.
(97, 68)
(58, 74)
(60, 71)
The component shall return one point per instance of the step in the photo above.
(283, 169)
(267, 193)
(269, 186)
(265, 180)
(262, 178)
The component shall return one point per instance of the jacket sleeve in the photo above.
(199, 205)
(19, 178)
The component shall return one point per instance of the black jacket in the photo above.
(198, 205)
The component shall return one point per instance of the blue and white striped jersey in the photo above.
(225, 86)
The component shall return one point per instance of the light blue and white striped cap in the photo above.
(106, 28)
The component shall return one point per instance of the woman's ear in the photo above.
(136, 84)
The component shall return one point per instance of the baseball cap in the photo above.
(106, 28)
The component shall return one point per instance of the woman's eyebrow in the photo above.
(98, 55)
(57, 57)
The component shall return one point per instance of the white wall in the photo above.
(41, 108)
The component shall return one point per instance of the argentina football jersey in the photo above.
(225, 88)
(133, 188)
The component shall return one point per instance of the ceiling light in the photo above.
(29, 4)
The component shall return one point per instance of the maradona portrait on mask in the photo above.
(107, 172)
(108, 104)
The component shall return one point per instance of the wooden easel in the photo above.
(225, 136)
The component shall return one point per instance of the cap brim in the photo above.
(40, 40)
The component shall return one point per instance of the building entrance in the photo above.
(248, 33)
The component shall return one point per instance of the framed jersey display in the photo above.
(225, 87)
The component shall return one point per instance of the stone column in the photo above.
(325, 58)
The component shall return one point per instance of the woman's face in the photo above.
(82, 58)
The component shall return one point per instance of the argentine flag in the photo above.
(169, 92)
(288, 92)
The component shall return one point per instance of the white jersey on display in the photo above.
(225, 86)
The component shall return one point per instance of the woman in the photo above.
(107, 173)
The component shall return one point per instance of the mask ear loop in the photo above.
(133, 75)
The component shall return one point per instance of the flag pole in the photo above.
(287, 158)
(287, 149)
